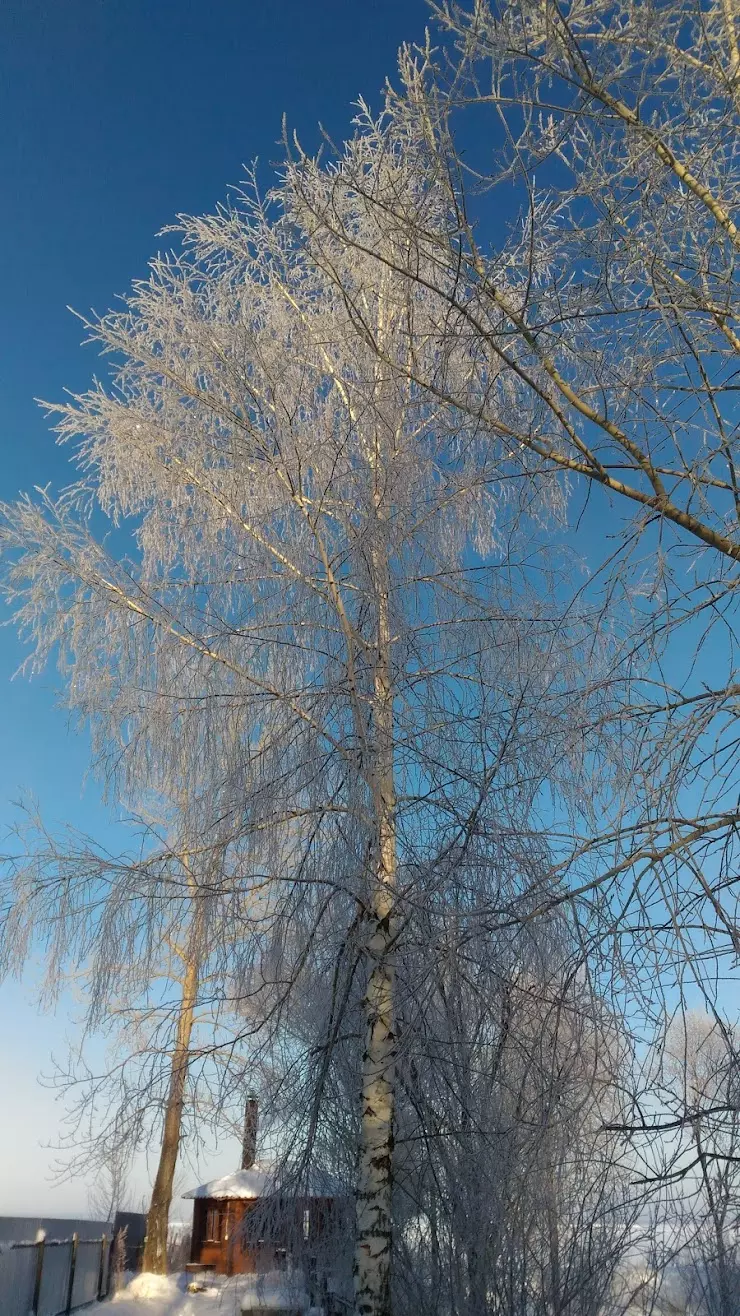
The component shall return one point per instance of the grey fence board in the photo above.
(19, 1264)
(17, 1275)
(85, 1288)
(54, 1278)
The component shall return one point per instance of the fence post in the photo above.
(40, 1237)
(110, 1266)
(72, 1268)
(101, 1268)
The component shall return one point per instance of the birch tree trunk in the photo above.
(155, 1245)
(372, 1266)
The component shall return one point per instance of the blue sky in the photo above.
(116, 115)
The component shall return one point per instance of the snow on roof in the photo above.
(242, 1183)
(261, 1180)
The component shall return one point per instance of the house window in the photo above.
(213, 1225)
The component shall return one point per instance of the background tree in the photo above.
(154, 941)
(108, 1193)
(702, 1065)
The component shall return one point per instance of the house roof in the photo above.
(260, 1181)
(242, 1183)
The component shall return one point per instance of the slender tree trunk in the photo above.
(372, 1266)
(553, 1240)
(155, 1246)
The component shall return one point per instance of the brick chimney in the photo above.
(249, 1141)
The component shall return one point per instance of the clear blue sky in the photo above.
(116, 115)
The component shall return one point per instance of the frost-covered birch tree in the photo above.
(324, 550)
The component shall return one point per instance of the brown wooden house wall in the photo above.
(231, 1252)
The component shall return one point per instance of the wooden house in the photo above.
(243, 1225)
(246, 1223)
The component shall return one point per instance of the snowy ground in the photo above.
(157, 1295)
(154, 1295)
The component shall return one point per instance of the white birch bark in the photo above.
(375, 1180)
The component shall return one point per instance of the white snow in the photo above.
(163, 1295)
(167, 1295)
(264, 1179)
(242, 1183)
(147, 1287)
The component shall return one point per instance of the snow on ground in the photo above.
(167, 1295)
